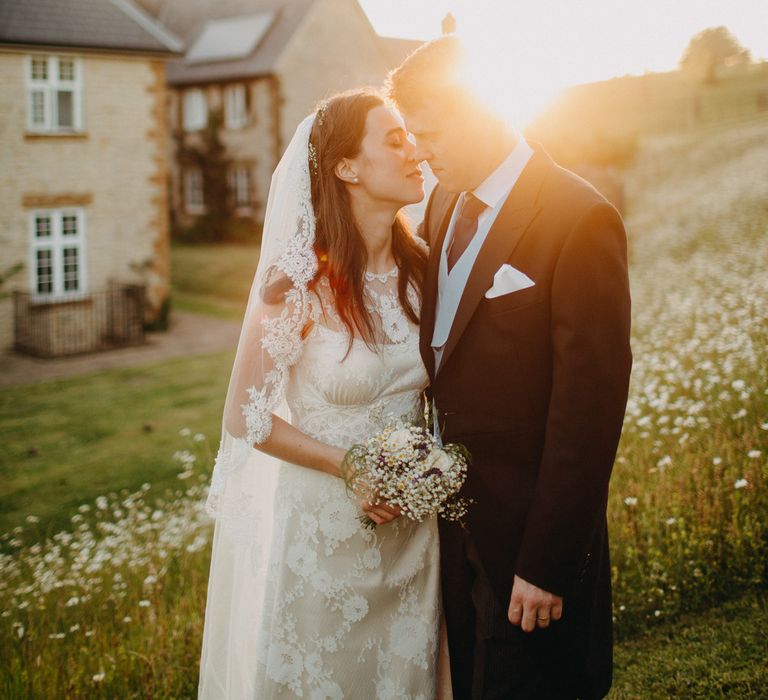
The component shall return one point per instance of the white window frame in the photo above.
(48, 89)
(57, 243)
(235, 106)
(194, 109)
(193, 185)
(240, 183)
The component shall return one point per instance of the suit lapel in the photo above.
(516, 215)
(429, 301)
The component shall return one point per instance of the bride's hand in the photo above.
(381, 513)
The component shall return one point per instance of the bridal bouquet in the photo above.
(407, 467)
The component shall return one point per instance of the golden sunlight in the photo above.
(496, 77)
(525, 52)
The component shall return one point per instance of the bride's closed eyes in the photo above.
(397, 138)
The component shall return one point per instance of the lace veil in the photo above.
(271, 336)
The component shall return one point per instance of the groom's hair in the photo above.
(433, 72)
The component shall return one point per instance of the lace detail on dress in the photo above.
(325, 608)
(381, 277)
(381, 301)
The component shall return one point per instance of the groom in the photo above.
(525, 334)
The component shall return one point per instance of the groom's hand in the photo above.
(532, 607)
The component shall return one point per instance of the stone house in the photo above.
(263, 64)
(83, 171)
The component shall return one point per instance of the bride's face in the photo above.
(385, 168)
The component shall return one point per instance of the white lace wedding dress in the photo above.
(316, 606)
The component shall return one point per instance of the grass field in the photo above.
(213, 279)
(719, 653)
(111, 605)
(66, 442)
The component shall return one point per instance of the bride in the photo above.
(303, 601)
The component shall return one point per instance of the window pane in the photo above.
(37, 107)
(42, 227)
(66, 69)
(39, 68)
(44, 270)
(71, 270)
(193, 186)
(235, 106)
(195, 110)
(240, 184)
(69, 225)
(65, 104)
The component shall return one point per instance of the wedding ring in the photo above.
(543, 619)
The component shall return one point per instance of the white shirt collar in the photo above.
(495, 188)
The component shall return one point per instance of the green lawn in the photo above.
(66, 442)
(213, 279)
(717, 654)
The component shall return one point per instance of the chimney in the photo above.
(449, 24)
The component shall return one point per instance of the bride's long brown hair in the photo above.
(337, 133)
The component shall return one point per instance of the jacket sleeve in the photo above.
(590, 312)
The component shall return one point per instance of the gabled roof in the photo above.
(190, 18)
(113, 25)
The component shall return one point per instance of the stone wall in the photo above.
(334, 49)
(252, 145)
(115, 170)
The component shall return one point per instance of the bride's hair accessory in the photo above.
(313, 158)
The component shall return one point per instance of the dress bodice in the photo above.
(342, 394)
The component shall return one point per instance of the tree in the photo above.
(710, 49)
(209, 154)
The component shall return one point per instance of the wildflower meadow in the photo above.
(113, 605)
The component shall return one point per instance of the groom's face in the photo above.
(444, 138)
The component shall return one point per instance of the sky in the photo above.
(575, 41)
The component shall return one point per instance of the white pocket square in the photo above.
(507, 280)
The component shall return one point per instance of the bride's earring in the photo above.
(345, 171)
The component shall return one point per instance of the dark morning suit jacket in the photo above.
(534, 383)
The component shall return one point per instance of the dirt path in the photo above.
(190, 334)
